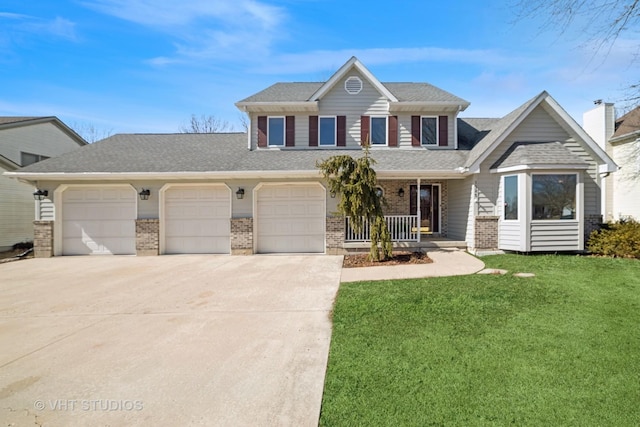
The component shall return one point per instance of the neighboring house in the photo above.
(24, 141)
(529, 181)
(621, 140)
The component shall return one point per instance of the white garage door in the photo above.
(99, 220)
(197, 220)
(291, 218)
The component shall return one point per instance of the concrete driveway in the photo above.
(171, 340)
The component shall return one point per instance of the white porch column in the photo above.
(418, 211)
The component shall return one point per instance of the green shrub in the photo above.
(620, 239)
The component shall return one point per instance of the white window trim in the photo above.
(578, 201)
(335, 131)
(437, 143)
(284, 131)
(504, 186)
(386, 131)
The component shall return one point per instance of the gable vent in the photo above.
(353, 85)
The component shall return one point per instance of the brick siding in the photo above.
(43, 239)
(241, 236)
(486, 232)
(147, 237)
(591, 223)
(335, 235)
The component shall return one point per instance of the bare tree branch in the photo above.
(206, 124)
(90, 132)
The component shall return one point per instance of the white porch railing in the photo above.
(403, 228)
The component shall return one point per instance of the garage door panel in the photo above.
(290, 218)
(197, 220)
(98, 221)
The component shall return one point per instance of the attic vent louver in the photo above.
(353, 85)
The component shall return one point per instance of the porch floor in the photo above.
(426, 242)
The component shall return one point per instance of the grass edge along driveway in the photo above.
(562, 348)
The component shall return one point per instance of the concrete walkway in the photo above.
(446, 262)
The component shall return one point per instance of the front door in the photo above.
(429, 207)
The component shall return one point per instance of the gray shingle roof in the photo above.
(134, 153)
(421, 92)
(494, 129)
(285, 92)
(537, 153)
(8, 120)
(405, 92)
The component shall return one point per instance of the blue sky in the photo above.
(147, 65)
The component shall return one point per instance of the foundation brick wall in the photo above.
(241, 236)
(591, 223)
(42, 239)
(486, 232)
(335, 235)
(147, 237)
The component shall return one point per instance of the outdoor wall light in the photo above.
(40, 194)
(144, 194)
(401, 192)
(240, 193)
(333, 195)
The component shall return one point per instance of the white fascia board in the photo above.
(91, 176)
(102, 176)
(540, 167)
(419, 106)
(631, 137)
(604, 157)
(277, 107)
(342, 72)
(425, 174)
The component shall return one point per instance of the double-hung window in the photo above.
(378, 131)
(429, 131)
(275, 131)
(327, 131)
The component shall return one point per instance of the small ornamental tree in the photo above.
(355, 180)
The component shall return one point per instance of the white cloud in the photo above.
(57, 27)
(204, 29)
(321, 60)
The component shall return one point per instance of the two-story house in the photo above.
(529, 181)
(24, 141)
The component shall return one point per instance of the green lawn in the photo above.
(562, 348)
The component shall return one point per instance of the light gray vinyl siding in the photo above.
(460, 210)
(47, 210)
(555, 236)
(44, 139)
(17, 212)
(539, 126)
(369, 102)
(509, 238)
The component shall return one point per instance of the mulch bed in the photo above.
(398, 258)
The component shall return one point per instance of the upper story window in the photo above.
(327, 131)
(429, 131)
(554, 196)
(275, 131)
(378, 130)
(30, 158)
(510, 197)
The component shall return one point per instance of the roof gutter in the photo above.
(268, 174)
